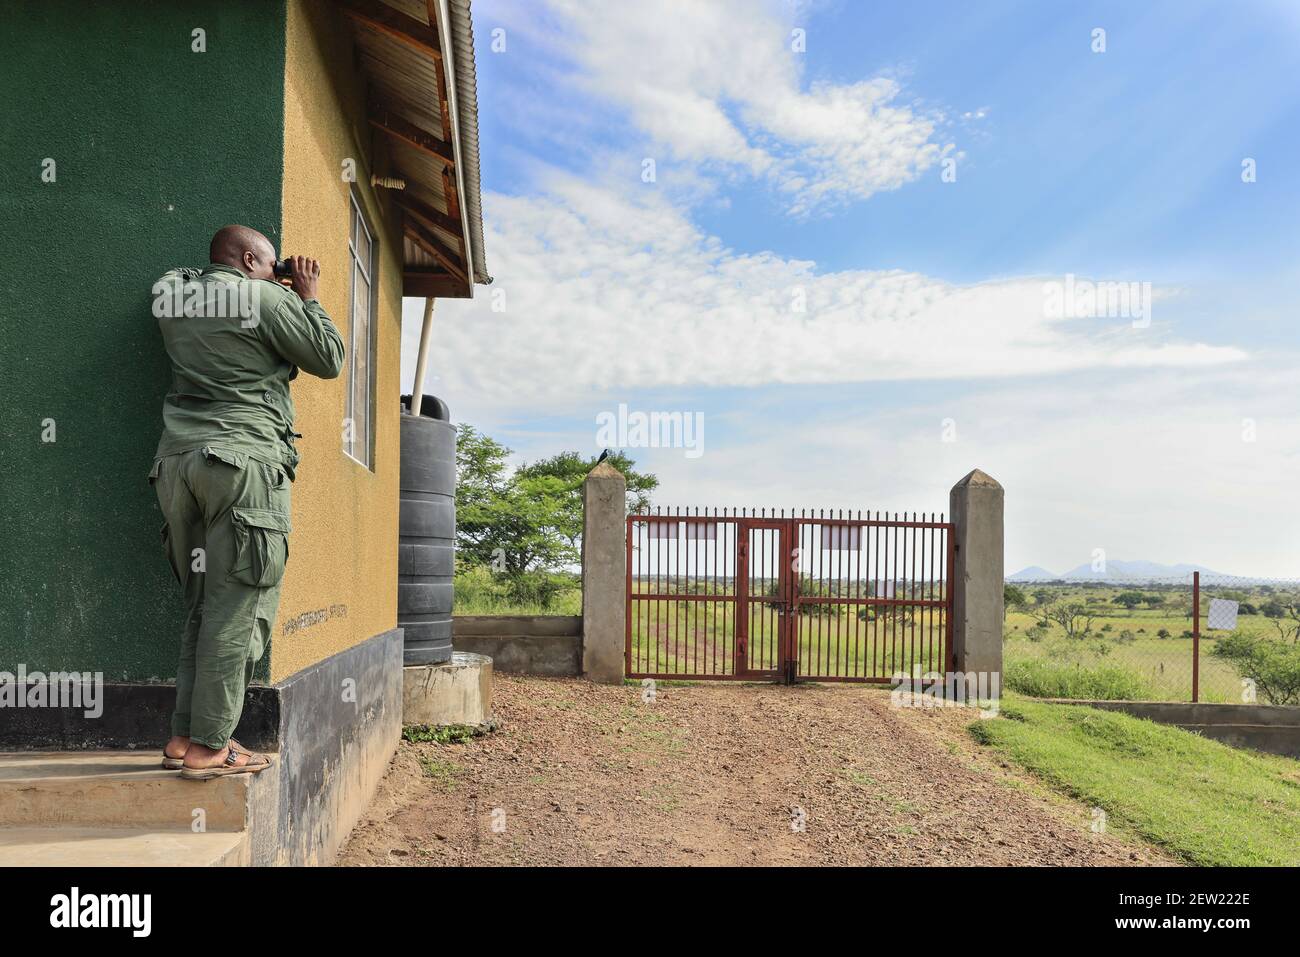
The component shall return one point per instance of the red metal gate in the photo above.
(751, 597)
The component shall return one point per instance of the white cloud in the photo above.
(602, 293)
(718, 84)
(1146, 467)
(1105, 435)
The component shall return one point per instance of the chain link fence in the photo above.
(1195, 637)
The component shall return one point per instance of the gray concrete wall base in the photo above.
(604, 573)
(340, 723)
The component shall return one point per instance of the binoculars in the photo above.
(282, 268)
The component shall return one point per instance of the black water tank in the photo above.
(427, 527)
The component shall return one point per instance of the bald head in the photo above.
(245, 249)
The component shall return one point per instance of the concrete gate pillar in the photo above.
(604, 573)
(975, 504)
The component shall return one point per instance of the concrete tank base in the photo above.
(454, 692)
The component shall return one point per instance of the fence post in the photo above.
(1196, 636)
(975, 504)
(604, 573)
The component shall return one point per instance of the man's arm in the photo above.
(303, 333)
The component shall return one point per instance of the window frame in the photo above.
(357, 216)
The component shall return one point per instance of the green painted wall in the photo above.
(156, 147)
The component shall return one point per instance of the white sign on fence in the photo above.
(702, 531)
(848, 537)
(662, 530)
(1223, 614)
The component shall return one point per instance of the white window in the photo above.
(359, 408)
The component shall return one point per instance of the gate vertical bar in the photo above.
(740, 651)
(789, 552)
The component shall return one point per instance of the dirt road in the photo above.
(719, 774)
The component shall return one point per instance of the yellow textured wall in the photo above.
(340, 587)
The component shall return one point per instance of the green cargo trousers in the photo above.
(226, 536)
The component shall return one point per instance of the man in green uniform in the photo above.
(222, 472)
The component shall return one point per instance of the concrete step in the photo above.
(120, 847)
(121, 789)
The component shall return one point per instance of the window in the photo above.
(359, 407)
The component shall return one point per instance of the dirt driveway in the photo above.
(719, 774)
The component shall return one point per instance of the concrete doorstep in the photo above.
(117, 808)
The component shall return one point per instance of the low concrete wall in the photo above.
(1260, 727)
(523, 644)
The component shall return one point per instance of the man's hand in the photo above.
(305, 273)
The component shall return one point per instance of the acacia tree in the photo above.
(1274, 666)
(1013, 596)
(1129, 599)
(1284, 614)
(1075, 618)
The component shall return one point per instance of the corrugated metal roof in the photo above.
(408, 69)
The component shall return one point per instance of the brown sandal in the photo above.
(170, 763)
(256, 763)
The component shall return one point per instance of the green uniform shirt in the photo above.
(235, 343)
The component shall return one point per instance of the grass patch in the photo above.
(443, 773)
(1043, 678)
(1205, 802)
(441, 734)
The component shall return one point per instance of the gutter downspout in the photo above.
(422, 358)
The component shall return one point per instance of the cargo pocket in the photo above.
(261, 546)
(275, 477)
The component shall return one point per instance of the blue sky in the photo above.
(800, 273)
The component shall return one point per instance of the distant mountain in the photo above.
(1134, 571)
(1116, 571)
(1034, 573)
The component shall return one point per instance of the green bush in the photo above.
(1273, 665)
(534, 588)
(1040, 678)
(478, 591)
